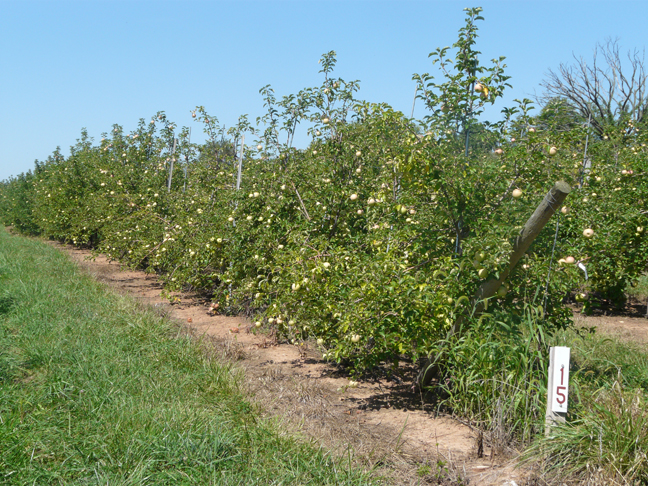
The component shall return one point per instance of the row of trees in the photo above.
(374, 238)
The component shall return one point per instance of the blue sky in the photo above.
(65, 65)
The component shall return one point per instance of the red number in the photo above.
(562, 375)
(561, 396)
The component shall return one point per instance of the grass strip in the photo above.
(95, 390)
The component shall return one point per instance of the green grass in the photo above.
(95, 390)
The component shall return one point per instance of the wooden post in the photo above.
(549, 205)
(557, 387)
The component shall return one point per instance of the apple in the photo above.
(353, 197)
(479, 87)
(325, 121)
(517, 193)
(371, 201)
(588, 233)
(624, 172)
(360, 211)
(553, 151)
(358, 170)
(257, 323)
(259, 147)
(640, 229)
(570, 260)
(358, 153)
(480, 257)
(483, 273)
(193, 115)
(320, 341)
(499, 151)
(355, 338)
(580, 297)
(318, 133)
(531, 130)
(502, 291)
(564, 210)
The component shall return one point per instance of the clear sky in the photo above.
(65, 65)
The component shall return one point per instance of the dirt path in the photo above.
(624, 327)
(382, 422)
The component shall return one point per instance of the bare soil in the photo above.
(383, 422)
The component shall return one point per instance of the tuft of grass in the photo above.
(607, 443)
(93, 390)
(496, 377)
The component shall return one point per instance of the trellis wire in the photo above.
(553, 248)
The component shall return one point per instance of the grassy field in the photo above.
(95, 390)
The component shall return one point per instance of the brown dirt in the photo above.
(382, 421)
(630, 326)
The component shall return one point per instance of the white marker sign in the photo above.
(560, 382)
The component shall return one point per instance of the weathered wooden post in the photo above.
(549, 205)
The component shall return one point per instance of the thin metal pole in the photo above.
(582, 175)
(175, 141)
(240, 164)
(184, 188)
(414, 102)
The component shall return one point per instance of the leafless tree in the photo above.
(607, 88)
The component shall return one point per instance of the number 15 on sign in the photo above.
(560, 380)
